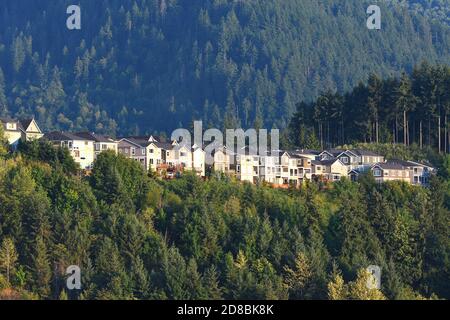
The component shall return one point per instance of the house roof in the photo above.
(307, 151)
(5, 120)
(163, 145)
(294, 155)
(63, 136)
(26, 122)
(391, 165)
(407, 163)
(22, 124)
(139, 142)
(335, 152)
(324, 162)
(94, 136)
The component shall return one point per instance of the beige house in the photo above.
(223, 161)
(391, 171)
(415, 173)
(247, 168)
(331, 170)
(24, 129)
(101, 143)
(81, 148)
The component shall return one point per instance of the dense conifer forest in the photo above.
(409, 109)
(144, 66)
(135, 236)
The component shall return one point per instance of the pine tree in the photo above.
(337, 289)
(211, 284)
(359, 289)
(8, 257)
(298, 278)
(41, 269)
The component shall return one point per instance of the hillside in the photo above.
(153, 65)
(138, 237)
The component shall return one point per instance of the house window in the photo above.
(168, 153)
(97, 147)
(133, 151)
(151, 150)
(86, 143)
(319, 168)
(70, 144)
(377, 173)
(345, 160)
(151, 161)
(143, 151)
(183, 154)
(77, 153)
(104, 147)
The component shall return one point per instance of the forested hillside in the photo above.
(139, 66)
(136, 237)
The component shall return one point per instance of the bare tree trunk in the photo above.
(421, 136)
(405, 129)
(439, 134)
(377, 132)
(396, 128)
(429, 130)
(393, 133)
(445, 134)
(407, 133)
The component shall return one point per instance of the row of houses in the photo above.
(279, 168)
(292, 168)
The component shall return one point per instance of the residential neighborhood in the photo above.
(281, 168)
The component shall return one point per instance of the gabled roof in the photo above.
(25, 124)
(130, 141)
(6, 120)
(390, 165)
(95, 137)
(138, 142)
(64, 136)
(325, 162)
(162, 145)
(334, 152)
(22, 124)
(307, 151)
(293, 155)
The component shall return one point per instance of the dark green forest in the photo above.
(412, 110)
(145, 66)
(137, 237)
